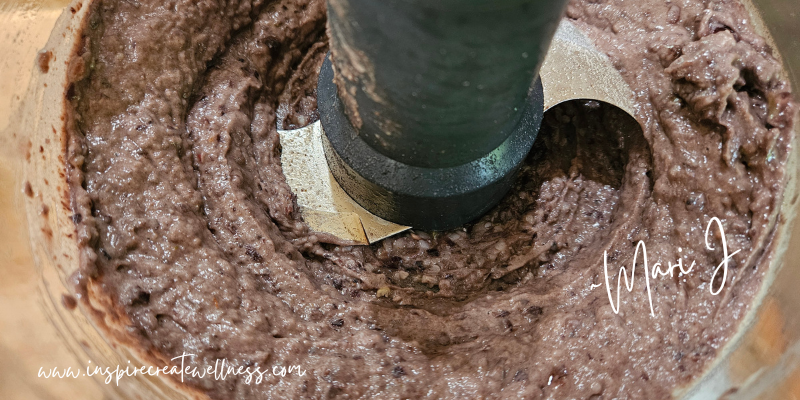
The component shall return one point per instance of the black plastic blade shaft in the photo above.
(433, 104)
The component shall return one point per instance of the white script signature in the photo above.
(657, 270)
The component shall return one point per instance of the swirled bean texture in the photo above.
(189, 233)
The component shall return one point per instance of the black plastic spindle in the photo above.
(434, 103)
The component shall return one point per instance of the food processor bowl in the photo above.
(761, 362)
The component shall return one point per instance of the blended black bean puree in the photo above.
(190, 236)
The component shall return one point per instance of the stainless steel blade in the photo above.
(573, 69)
(325, 206)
